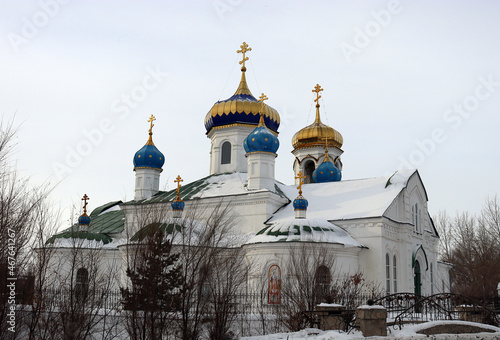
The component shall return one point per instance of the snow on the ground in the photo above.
(406, 332)
(308, 333)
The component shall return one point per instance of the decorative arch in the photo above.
(414, 256)
(274, 285)
(309, 167)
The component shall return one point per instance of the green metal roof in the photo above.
(152, 228)
(192, 190)
(102, 224)
(186, 192)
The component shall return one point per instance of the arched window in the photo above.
(395, 274)
(309, 168)
(323, 279)
(82, 282)
(226, 153)
(387, 274)
(274, 285)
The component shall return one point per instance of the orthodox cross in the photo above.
(261, 110)
(317, 89)
(300, 176)
(178, 180)
(261, 100)
(244, 49)
(150, 120)
(84, 199)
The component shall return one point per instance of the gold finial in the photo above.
(151, 120)
(300, 176)
(85, 199)
(317, 89)
(327, 159)
(261, 109)
(244, 49)
(178, 180)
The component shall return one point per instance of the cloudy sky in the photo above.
(409, 84)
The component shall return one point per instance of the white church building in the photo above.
(377, 226)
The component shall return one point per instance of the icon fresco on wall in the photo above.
(274, 285)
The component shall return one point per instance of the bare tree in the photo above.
(471, 245)
(210, 265)
(26, 217)
(308, 282)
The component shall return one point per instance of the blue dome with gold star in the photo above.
(149, 156)
(326, 172)
(84, 219)
(300, 203)
(241, 109)
(261, 140)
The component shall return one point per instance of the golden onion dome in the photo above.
(317, 134)
(242, 108)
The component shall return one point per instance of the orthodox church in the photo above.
(376, 226)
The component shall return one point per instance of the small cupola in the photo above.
(300, 203)
(177, 203)
(260, 147)
(148, 162)
(84, 219)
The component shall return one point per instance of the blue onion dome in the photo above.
(300, 203)
(326, 172)
(84, 219)
(149, 156)
(177, 205)
(261, 139)
(241, 109)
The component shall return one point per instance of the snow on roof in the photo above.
(304, 230)
(347, 199)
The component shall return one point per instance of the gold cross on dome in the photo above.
(151, 120)
(85, 199)
(317, 89)
(244, 49)
(261, 100)
(300, 176)
(178, 180)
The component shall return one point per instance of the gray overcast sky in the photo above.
(407, 83)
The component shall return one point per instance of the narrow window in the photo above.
(82, 282)
(387, 274)
(226, 153)
(274, 285)
(416, 218)
(432, 280)
(395, 274)
(323, 279)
